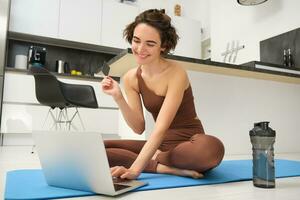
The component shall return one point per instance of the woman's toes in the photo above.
(192, 173)
(198, 175)
(180, 172)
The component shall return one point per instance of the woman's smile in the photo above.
(142, 56)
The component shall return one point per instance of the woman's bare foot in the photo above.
(180, 172)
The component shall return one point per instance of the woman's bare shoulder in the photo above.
(130, 78)
(130, 73)
(176, 69)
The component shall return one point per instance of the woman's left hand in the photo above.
(123, 172)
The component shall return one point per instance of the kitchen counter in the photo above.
(273, 67)
(123, 60)
(97, 78)
(121, 63)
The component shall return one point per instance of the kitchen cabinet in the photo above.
(37, 17)
(99, 22)
(22, 113)
(189, 31)
(80, 21)
(24, 118)
(114, 20)
(66, 19)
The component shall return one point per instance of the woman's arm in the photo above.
(132, 108)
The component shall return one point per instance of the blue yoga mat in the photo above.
(31, 184)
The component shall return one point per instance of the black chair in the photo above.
(61, 96)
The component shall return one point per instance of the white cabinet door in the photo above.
(36, 17)
(19, 88)
(80, 21)
(24, 118)
(114, 20)
(189, 31)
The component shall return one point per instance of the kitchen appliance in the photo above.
(36, 56)
(4, 16)
(62, 67)
(21, 62)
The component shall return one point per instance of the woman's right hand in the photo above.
(111, 87)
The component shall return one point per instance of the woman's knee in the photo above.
(203, 152)
(215, 150)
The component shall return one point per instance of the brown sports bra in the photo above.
(186, 114)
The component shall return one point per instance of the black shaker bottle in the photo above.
(263, 138)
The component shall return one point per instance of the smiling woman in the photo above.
(177, 144)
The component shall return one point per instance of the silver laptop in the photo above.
(78, 161)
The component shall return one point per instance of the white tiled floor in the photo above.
(18, 157)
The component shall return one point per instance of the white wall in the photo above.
(146, 4)
(228, 107)
(250, 24)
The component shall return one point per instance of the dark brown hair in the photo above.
(161, 22)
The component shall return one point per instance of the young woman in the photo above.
(177, 144)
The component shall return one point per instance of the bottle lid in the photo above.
(262, 129)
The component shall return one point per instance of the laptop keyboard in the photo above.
(120, 187)
(119, 180)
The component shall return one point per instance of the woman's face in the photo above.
(146, 44)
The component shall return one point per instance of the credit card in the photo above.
(105, 68)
